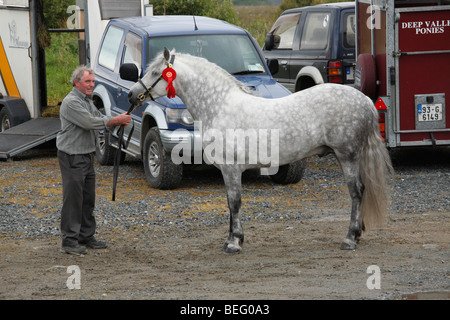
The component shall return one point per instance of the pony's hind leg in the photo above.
(356, 189)
(232, 176)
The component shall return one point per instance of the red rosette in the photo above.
(169, 75)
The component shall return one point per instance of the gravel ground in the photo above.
(31, 197)
(296, 226)
(31, 194)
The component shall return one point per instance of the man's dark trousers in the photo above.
(77, 213)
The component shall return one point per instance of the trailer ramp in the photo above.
(28, 135)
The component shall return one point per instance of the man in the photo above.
(76, 143)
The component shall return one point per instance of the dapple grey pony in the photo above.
(328, 118)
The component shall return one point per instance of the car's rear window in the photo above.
(110, 47)
(348, 30)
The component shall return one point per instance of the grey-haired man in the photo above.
(76, 144)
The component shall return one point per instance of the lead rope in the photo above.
(169, 75)
(122, 143)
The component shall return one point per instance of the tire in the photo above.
(290, 173)
(104, 152)
(159, 169)
(366, 75)
(5, 121)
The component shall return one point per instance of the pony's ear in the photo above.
(166, 54)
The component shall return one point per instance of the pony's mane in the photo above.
(159, 61)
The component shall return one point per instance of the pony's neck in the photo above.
(202, 84)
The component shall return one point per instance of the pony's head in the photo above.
(157, 81)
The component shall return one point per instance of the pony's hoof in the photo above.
(348, 245)
(230, 248)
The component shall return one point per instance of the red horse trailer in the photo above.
(403, 64)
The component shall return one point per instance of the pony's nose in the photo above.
(130, 97)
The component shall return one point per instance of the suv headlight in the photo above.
(181, 116)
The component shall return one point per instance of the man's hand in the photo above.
(121, 119)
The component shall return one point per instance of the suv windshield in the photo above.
(235, 53)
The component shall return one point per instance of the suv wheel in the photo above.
(159, 169)
(290, 173)
(104, 152)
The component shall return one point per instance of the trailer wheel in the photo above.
(5, 122)
(366, 75)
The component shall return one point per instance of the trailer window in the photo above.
(316, 30)
(349, 30)
(284, 30)
(110, 47)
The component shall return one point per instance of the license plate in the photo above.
(350, 73)
(429, 112)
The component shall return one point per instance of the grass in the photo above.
(61, 59)
(257, 20)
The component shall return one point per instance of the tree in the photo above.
(55, 12)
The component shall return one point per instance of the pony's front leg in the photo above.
(232, 177)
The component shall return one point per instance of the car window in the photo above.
(110, 47)
(284, 30)
(316, 30)
(234, 53)
(349, 30)
(133, 50)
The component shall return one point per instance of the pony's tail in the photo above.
(375, 165)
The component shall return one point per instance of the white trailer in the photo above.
(23, 89)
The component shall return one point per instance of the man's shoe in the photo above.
(75, 249)
(94, 244)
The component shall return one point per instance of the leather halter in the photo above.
(141, 97)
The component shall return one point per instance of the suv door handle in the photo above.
(283, 62)
(119, 92)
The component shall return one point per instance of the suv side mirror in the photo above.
(272, 41)
(129, 71)
(273, 65)
(268, 44)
